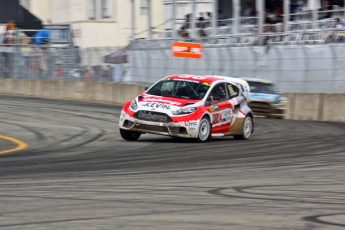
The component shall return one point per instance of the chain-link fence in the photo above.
(296, 61)
(63, 63)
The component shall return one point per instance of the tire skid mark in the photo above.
(316, 219)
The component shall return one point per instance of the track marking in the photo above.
(21, 145)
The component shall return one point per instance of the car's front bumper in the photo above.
(268, 108)
(175, 129)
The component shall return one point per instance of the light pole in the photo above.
(214, 17)
(133, 19)
(236, 13)
(149, 17)
(193, 18)
(286, 14)
(173, 2)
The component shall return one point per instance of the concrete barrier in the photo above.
(116, 93)
(302, 106)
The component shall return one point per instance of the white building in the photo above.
(97, 23)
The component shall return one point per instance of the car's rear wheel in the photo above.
(129, 135)
(205, 130)
(247, 128)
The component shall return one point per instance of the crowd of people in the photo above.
(95, 73)
(203, 21)
(249, 16)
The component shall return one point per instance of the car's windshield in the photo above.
(180, 89)
(261, 87)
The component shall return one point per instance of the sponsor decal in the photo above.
(187, 50)
(226, 115)
(216, 118)
(207, 84)
(259, 96)
(151, 116)
(192, 77)
(156, 105)
(157, 100)
(191, 123)
(222, 117)
(186, 80)
(123, 115)
(214, 107)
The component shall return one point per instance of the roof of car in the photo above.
(197, 78)
(257, 80)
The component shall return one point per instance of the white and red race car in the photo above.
(190, 106)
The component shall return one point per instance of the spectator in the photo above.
(221, 18)
(87, 75)
(209, 19)
(75, 73)
(186, 25)
(326, 7)
(41, 37)
(254, 20)
(268, 20)
(201, 24)
(108, 73)
(9, 33)
(59, 72)
(248, 10)
(338, 26)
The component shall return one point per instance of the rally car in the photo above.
(265, 99)
(190, 106)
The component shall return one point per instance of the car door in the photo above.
(219, 107)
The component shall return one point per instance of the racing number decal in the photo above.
(216, 117)
(222, 117)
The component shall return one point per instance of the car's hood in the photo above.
(264, 97)
(164, 104)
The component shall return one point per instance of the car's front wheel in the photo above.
(247, 128)
(205, 130)
(129, 135)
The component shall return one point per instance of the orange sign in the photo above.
(187, 50)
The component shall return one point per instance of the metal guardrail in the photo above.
(244, 39)
(298, 22)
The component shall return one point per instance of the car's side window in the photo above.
(217, 94)
(233, 91)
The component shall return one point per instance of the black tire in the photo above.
(247, 128)
(129, 135)
(205, 130)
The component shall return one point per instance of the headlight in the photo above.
(134, 105)
(186, 110)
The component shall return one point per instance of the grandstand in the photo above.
(308, 24)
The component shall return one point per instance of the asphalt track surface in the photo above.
(79, 174)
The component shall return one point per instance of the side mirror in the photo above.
(146, 88)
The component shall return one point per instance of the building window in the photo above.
(144, 5)
(105, 9)
(92, 9)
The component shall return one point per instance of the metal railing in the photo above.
(249, 25)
